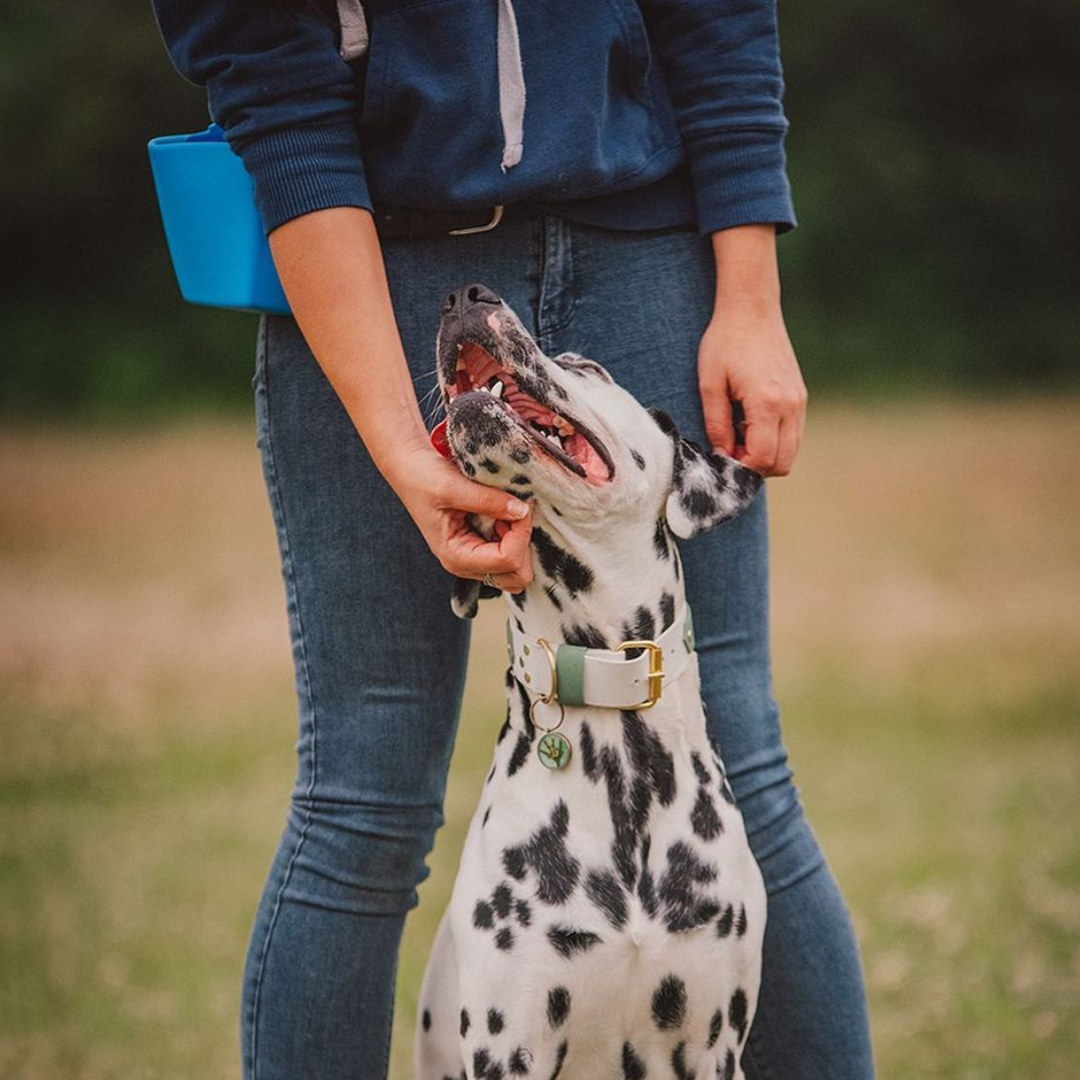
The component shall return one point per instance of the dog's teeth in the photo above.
(497, 388)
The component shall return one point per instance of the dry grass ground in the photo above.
(926, 609)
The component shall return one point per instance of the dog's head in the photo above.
(561, 432)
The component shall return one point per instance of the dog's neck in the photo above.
(600, 589)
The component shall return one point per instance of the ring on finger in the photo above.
(490, 581)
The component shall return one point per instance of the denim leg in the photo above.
(380, 665)
(642, 302)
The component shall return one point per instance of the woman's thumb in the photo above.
(478, 499)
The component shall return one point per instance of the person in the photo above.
(616, 172)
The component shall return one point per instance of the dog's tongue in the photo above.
(439, 440)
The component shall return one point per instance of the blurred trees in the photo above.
(930, 153)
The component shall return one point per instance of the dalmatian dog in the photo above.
(607, 917)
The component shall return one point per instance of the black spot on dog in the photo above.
(716, 1025)
(699, 503)
(504, 730)
(519, 1062)
(487, 463)
(501, 899)
(646, 886)
(520, 754)
(521, 454)
(546, 854)
(684, 907)
(480, 1062)
(669, 1003)
(524, 703)
(504, 939)
(639, 461)
(522, 912)
(648, 756)
(464, 1026)
(737, 1013)
(468, 468)
(642, 627)
(633, 1068)
(556, 511)
(726, 1071)
(519, 600)
(723, 924)
(483, 918)
(740, 925)
(588, 637)
(703, 818)
(519, 493)
(425, 1020)
(560, 1057)
(607, 894)
(496, 1021)
(558, 1006)
(660, 539)
(700, 771)
(553, 596)
(624, 844)
(491, 773)
(566, 941)
(519, 480)
(487, 814)
(678, 1063)
(588, 752)
(561, 565)
(667, 610)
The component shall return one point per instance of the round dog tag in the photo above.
(554, 750)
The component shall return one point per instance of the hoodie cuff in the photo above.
(301, 169)
(741, 179)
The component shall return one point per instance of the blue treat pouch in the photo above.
(215, 236)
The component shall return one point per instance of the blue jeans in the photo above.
(366, 599)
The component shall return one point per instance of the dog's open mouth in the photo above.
(558, 434)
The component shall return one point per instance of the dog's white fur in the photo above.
(607, 919)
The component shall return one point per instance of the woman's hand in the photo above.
(440, 499)
(746, 356)
(331, 266)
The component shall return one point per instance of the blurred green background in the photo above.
(926, 558)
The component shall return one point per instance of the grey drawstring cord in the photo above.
(354, 43)
(354, 35)
(511, 86)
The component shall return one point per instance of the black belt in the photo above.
(409, 221)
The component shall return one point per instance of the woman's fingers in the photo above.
(469, 555)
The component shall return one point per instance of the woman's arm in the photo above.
(746, 355)
(296, 132)
(331, 267)
(721, 61)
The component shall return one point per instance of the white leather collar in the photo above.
(575, 675)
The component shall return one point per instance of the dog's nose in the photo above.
(470, 296)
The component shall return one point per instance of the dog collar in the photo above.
(606, 678)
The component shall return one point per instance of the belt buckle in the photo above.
(656, 671)
(496, 217)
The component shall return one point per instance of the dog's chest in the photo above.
(622, 883)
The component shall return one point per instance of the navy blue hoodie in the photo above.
(637, 114)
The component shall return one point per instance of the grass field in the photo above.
(926, 628)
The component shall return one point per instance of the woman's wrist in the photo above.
(747, 272)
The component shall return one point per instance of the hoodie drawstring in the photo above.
(511, 86)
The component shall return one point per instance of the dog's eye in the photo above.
(581, 366)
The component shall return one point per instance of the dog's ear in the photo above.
(466, 594)
(706, 489)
